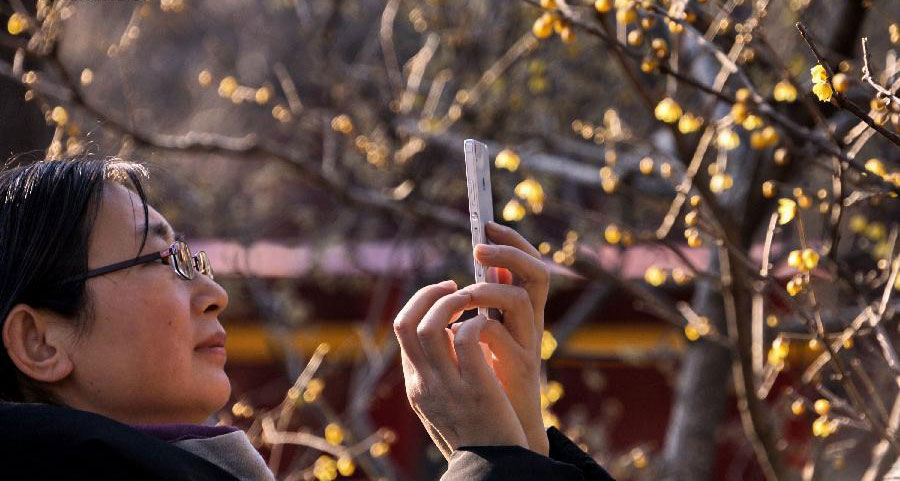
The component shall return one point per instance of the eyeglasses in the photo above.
(182, 261)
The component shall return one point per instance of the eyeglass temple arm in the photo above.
(120, 265)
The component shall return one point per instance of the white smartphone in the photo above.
(481, 209)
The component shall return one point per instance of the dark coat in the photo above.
(505, 463)
(40, 441)
(44, 442)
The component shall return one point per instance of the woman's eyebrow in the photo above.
(162, 230)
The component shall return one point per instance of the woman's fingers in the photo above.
(501, 234)
(518, 314)
(472, 366)
(407, 321)
(432, 332)
(499, 340)
(531, 272)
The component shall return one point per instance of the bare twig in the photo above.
(840, 99)
(867, 75)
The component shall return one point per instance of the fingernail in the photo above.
(449, 283)
(486, 250)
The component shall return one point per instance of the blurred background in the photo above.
(720, 221)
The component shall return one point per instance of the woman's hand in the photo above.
(515, 344)
(449, 384)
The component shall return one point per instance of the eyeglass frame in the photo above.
(197, 260)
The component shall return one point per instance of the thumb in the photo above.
(499, 340)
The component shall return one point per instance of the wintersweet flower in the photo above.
(819, 75)
(784, 92)
(787, 209)
(823, 91)
(668, 110)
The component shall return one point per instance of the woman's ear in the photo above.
(37, 343)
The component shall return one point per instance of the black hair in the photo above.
(47, 213)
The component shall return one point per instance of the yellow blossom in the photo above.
(784, 91)
(823, 91)
(875, 231)
(603, 6)
(612, 234)
(858, 223)
(17, 24)
(819, 75)
(635, 37)
(379, 449)
(507, 159)
(346, 466)
(797, 407)
(876, 167)
(794, 259)
(325, 468)
(690, 219)
(608, 180)
(342, 123)
(779, 351)
(313, 389)
(262, 95)
(739, 112)
(87, 76)
(667, 110)
(787, 209)
(543, 27)
(513, 211)
(566, 34)
(728, 139)
(227, 86)
(334, 434)
(648, 65)
(691, 333)
(694, 240)
(720, 183)
(795, 285)
(824, 427)
(639, 458)
(655, 276)
(814, 345)
(752, 122)
(680, 276)
(822, 407)
(689, 123)
(548, 345)
(840, 82)
(809, 258)
(59, 115)
(532, 192)
(554, 391)
(626, 16)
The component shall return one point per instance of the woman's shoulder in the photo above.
(42, 441)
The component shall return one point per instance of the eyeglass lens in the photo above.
(188, 265)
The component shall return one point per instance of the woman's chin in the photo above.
(217, 391)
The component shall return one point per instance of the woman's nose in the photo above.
(208, 297)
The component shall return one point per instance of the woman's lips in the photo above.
(218, 351)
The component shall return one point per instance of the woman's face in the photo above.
(140, 361)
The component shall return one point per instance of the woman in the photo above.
(113, 353)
